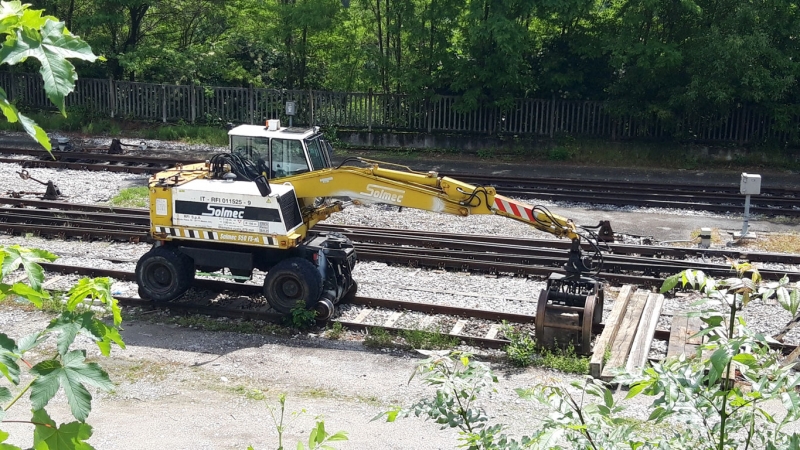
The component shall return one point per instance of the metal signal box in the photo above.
(751, 184)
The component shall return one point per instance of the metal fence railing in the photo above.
(542, 117)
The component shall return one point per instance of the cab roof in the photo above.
(282, 132)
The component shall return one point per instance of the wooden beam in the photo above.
(621, 346)
(362, 315)
(458, 327)
(644, 335)
(392, 319)
(678, 333)
(610, 331)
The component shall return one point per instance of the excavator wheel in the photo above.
(164, 274)
(291, 281)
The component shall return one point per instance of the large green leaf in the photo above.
(69, 436)
(71, 375)
(69, 324)
(30, 127)
(9, 354)
(51, 45)
(28, 258)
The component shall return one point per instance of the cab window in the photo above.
(288, 158)
(250, 148)
(317, 154)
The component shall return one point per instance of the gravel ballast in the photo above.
(186, 388)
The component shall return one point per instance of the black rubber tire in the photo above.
(164, 274)
(290, 281)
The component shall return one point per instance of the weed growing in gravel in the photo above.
(301, 317)
(378, 338)
(335, 331)
(428, 339)
(132, 197)
(318, 438)
(564, 360)
(521, 348)
(522, 351)
(248, 393)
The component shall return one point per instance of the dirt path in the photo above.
(181, 388)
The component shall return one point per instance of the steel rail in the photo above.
(717, 198)
(404, 235)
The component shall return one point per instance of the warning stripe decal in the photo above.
(203, 234)
(514, 208)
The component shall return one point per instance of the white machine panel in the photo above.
(222, 205)
(751, 184)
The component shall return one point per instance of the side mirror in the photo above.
(263, 185)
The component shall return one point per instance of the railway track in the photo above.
(622, 263)
(454, 321)
(715, 198)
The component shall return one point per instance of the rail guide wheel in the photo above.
(567, 310)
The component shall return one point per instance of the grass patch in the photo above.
(428, 339)
(563, 360)
(378, 338)
(132, 197)
(318, 393)
(193, 134)
(248, 393)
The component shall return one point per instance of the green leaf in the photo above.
(72, 376)
(9, 354)
(638, 387)
(746, 359)
(51, 45)
(608, 398)
(69, 436)
(719, 360)
(95, 289)
(34, 296)
(3, 437)
(30, 341)
(69, 324)
(5, 395)
(670, 282)
(17, 256)
(790, 401)
(657, 414)
(338, 436)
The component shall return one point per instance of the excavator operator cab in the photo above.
(279, 152)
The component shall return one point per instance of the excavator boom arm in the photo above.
(425, 191)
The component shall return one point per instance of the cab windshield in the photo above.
(250, 148)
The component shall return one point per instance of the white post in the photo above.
(746, 215)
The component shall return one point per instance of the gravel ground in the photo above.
(185, 388)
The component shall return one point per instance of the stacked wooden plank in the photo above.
(628, 334)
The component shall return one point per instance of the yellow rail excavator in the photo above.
(256, 206)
